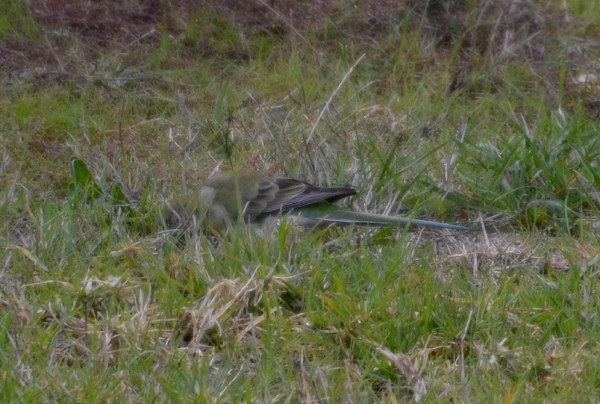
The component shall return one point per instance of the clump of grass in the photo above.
(16, 21)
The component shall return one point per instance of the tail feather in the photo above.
(311, 217)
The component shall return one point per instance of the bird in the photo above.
(253, 196)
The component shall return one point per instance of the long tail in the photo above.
(323, 215)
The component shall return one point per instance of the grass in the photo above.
(96, 305)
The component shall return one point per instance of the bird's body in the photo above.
(254, 196)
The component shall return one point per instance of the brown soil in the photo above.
(117, 26)
(73, 34)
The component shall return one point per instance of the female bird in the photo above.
(255, 195)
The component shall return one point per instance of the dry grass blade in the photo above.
(31, 257)
(326, 106)
(410, 371)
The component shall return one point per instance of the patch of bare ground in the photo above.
(74, 34)
(508, 28)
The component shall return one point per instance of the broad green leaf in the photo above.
(83, 180)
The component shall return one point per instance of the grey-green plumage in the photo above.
(254, 195)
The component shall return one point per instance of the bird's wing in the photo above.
(294, 194)
(262, 194)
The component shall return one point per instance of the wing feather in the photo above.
(262, 194)
(294, 194)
